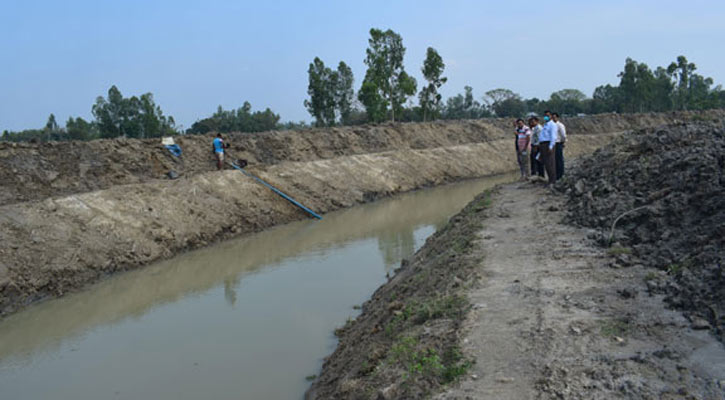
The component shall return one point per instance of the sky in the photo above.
(58, 56)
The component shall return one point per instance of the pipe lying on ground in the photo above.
(279, 192)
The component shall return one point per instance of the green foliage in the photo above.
(613, 327)
(429, 97)
(331, 93)
(239, 120)
(321, 89)
(617, 250)
(386, 83)
(130, 117)
(75, 129)
(427, 362)
(464, 106)
(344, 93)
(505, 103)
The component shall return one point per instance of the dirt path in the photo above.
(551, 318)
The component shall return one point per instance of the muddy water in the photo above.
(248, 318)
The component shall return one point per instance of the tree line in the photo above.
(140, 117)
(387, 92)
(386, 89)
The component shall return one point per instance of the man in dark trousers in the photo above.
(547, 142)
(559, 149)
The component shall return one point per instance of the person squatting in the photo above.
(540, 148)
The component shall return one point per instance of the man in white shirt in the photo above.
(559, 148)
(547, 142)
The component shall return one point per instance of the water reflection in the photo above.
(395, 246)
(283, 291)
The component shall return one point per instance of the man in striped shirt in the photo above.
(547, 142)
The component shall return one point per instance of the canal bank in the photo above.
(74, 213)
(508, 302)
(513, 299)
(247, 318)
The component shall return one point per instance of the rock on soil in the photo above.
(665, 189)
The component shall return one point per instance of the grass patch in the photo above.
(613, 327)
(417, 313)
(676, 268)
(617, 250)
(427, 362)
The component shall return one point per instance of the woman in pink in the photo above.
(523, 145)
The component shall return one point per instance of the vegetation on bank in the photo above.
(386, 93)
(405, 344)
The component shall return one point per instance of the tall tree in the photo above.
(385, 75)
(344, 93)
(429, 97)
(321, 89)
(681, 71)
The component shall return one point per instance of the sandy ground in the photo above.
(551, 319)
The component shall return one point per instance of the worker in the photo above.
(219, 151)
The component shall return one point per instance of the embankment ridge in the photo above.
(74, 212)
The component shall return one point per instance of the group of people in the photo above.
(540, 148)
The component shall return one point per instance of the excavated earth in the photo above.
(74, 212)
(528, 293)
(665, 189)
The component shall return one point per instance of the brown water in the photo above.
(249, 318)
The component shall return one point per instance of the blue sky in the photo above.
(58, 56)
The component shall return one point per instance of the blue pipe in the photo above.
(279, 192)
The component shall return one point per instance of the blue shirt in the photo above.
(218, 145)
(549, 134)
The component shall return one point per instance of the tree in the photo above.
(464, 106)
(108, 113)
(429, 97)
(79, 129)
(680, 72)
(505, 103)
(321, 102)
(130, 117)
(344, 93)
(386, 82)
(331, 93)
(568, 101)
(239, 120)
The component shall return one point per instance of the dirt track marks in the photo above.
(551, 319)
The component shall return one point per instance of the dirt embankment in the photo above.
(665, 190)
(31, 171)
(75, 212)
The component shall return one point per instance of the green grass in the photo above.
(613, 327)
(617, 250)
(428, 363)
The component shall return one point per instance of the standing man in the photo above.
(219, 151)
(523, 145)
(547, 142)
(537, 168)
(560, 141)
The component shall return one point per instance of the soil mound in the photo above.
(659, 197)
